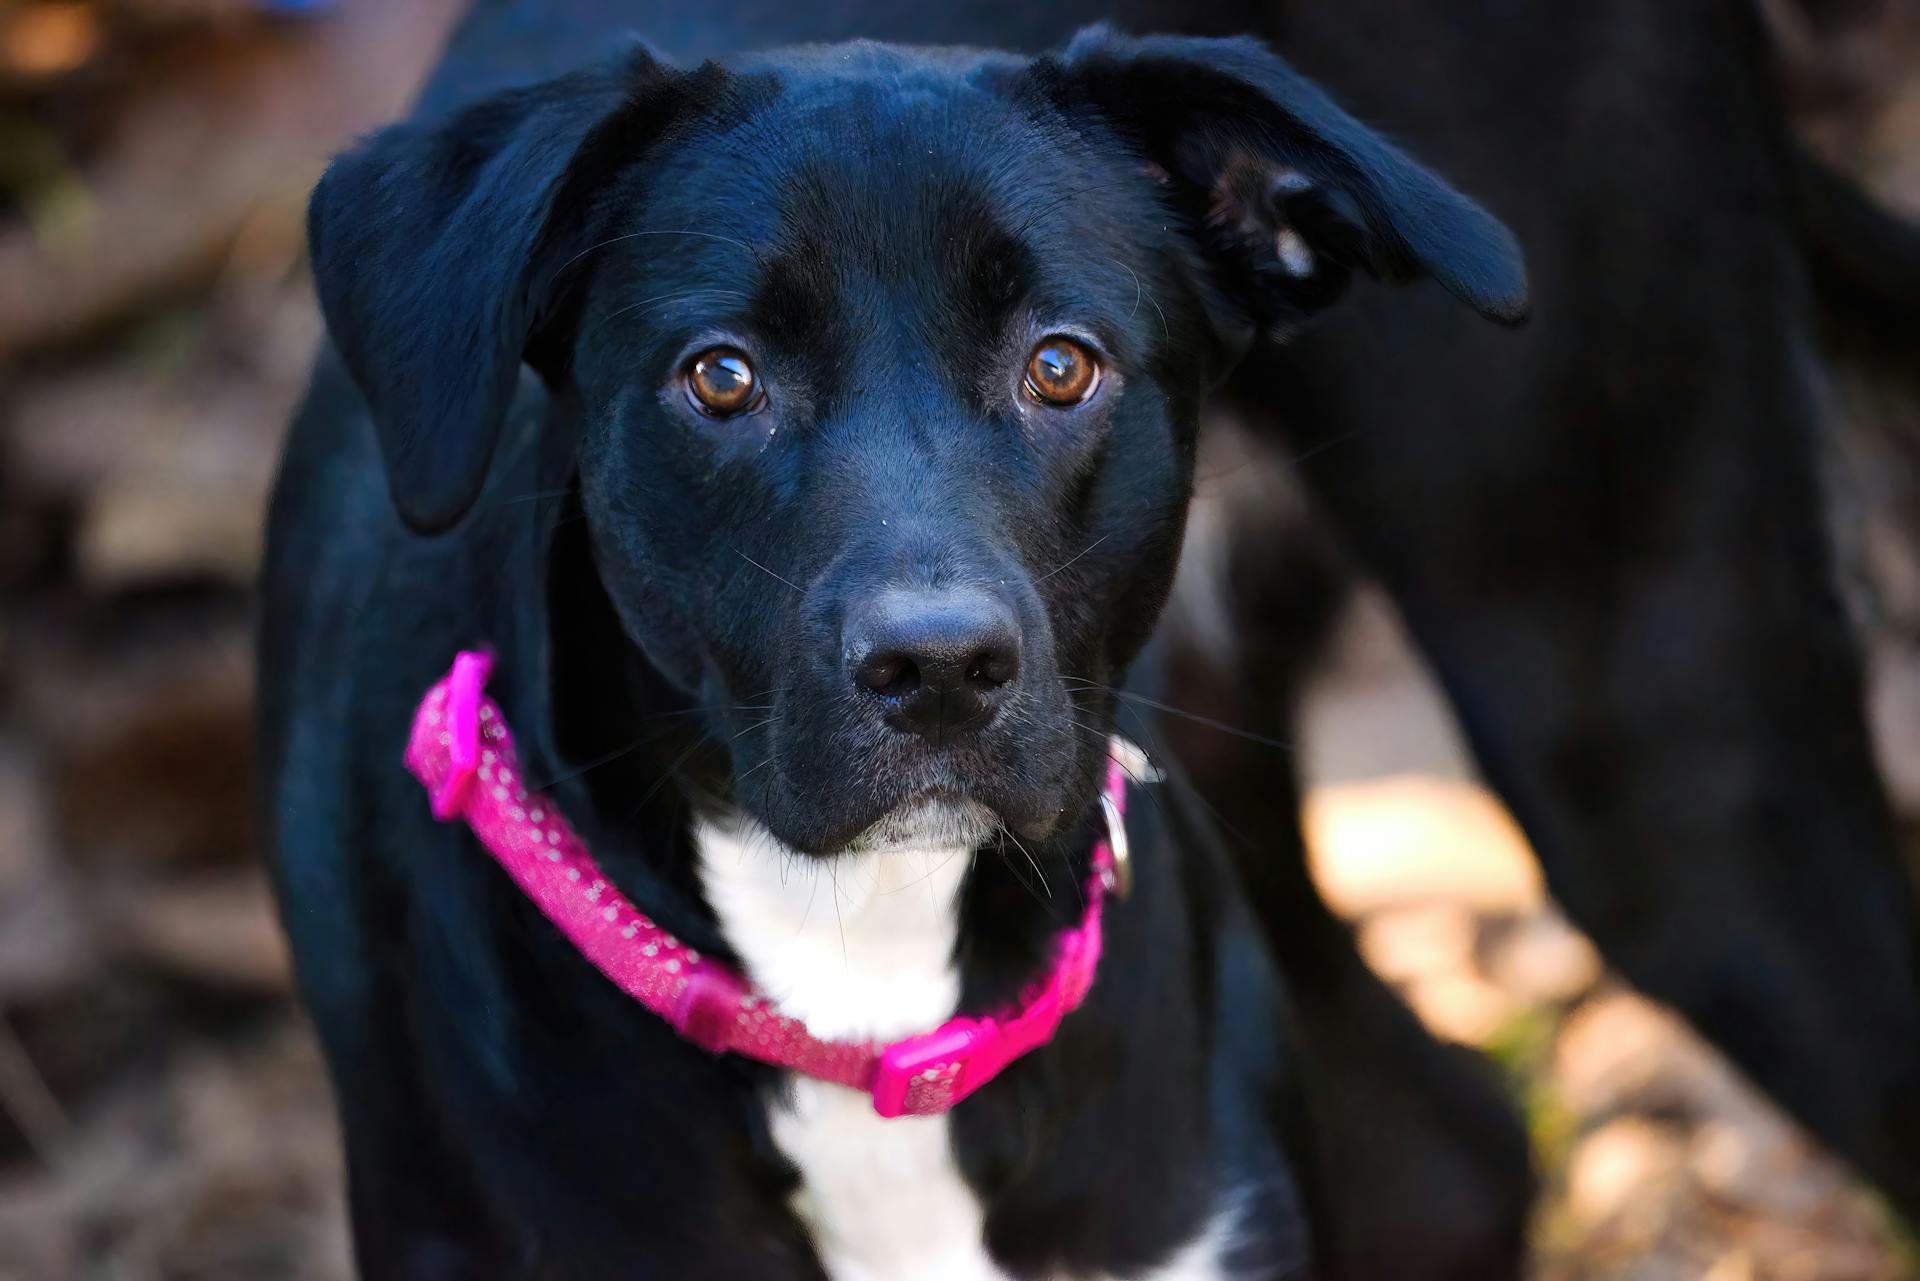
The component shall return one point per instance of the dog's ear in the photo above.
(440, 253)
(1290, 192)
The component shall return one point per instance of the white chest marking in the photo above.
(861, 946)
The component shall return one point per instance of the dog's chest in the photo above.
(858, 947)
(862, 947)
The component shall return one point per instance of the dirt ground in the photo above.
(163, 1114)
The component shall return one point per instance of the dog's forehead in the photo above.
(879, 153)
(864, 75)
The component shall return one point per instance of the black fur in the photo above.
(888, 232)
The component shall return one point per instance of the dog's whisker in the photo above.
(812, 894)
(594, 764)
(931, 872)
(1083, 551)
(1138, 288)
(1207, 721)
(763, 569)
(1171, 710)
(674, 297)
(1020, 877)
(1321, 448)
(839, 917)
(636, 235)
(756, 769)
(759, 724)
(1064, 199)
(1148, 732)
(1031, 861)
(671, 772)
(614, 754)
(700, 711)
(1166, 330)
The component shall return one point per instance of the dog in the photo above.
(1603, 530)
(847, 483)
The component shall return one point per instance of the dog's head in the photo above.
(884, 369)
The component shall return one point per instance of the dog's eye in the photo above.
(721, 382)
(1062, 371)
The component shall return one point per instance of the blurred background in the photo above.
(163, 1113)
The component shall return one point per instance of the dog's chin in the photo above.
(928, 823)
(872, 801)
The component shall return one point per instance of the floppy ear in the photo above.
(440, 251)
(1292, 192)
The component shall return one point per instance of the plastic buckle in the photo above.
(966, 1054)
(464, 685)
(927, 1059)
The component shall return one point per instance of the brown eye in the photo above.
(1062, 372)
(722, 382)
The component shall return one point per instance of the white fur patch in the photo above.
(882, 1197)
(857, 946)
(861, 946)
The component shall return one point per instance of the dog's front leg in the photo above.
(416, 1215)
(1448, 1195)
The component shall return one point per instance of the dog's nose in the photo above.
(941, 662)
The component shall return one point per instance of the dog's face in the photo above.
(884, 369)
(893, 446)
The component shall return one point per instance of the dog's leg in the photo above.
(415, 1214)
(1605, 532)
(1634, 618)
(1415, 1165)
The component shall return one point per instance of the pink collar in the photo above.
(461, 750)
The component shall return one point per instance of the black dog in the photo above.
(1603, 529)
(852, 482)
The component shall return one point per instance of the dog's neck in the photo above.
(861, 946)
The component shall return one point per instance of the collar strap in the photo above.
(461, 750)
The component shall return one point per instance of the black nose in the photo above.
(940, 661)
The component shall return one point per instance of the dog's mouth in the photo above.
(825, 793)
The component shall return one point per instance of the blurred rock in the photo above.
(43, 40)
(1629, 1169)
(138, 530)
(1403, 944)
(219, 931)
(1622, 1052)
(218, 128)
(1734, 1266)
(168, 465)
(149, 742)
(1540, 959)
(45, 946)
(1413, 839)
(221, 1164)
(1460, 1007)
(1759, 1163)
